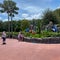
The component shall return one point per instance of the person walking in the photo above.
(4, 37)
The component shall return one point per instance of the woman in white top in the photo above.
(4, 37)
(20, 36)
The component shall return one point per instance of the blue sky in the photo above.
(32, 9)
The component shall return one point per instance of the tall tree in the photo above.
(48, 16)
(57, 13)
(10, 8)
(13, 11)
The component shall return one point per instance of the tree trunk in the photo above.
(11, 27)
(8, 26)
(39, 27)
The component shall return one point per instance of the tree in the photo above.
(12, 11)
(48, 16)
(17, 26)
(57, 13)
(39, 25)
(24, 24)
(1, 26)
(10, 8)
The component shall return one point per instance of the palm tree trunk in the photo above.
(8, 25)
(11, 27)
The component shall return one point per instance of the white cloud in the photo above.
(24, 15)
(5, 14)
(16, 18)
(58, 7)
(30, 17)
(32, 9)
(36, 16)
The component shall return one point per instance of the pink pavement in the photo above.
(15, 50)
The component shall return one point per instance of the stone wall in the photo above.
(48, 40)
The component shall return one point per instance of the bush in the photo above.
(27, 34)
(50, 34)
(43, 34)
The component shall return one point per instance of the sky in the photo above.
(31, 9)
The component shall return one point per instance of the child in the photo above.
(20, 36)
(4, 37)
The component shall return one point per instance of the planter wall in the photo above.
(43, 40)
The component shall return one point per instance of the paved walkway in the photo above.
(15, 50)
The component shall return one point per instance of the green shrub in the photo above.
(42, 35)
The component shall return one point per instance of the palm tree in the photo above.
(12, 12)
(10, 8)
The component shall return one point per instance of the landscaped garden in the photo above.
(48, 26)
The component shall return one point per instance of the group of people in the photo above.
(20, 37)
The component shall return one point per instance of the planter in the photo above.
(43, 40)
